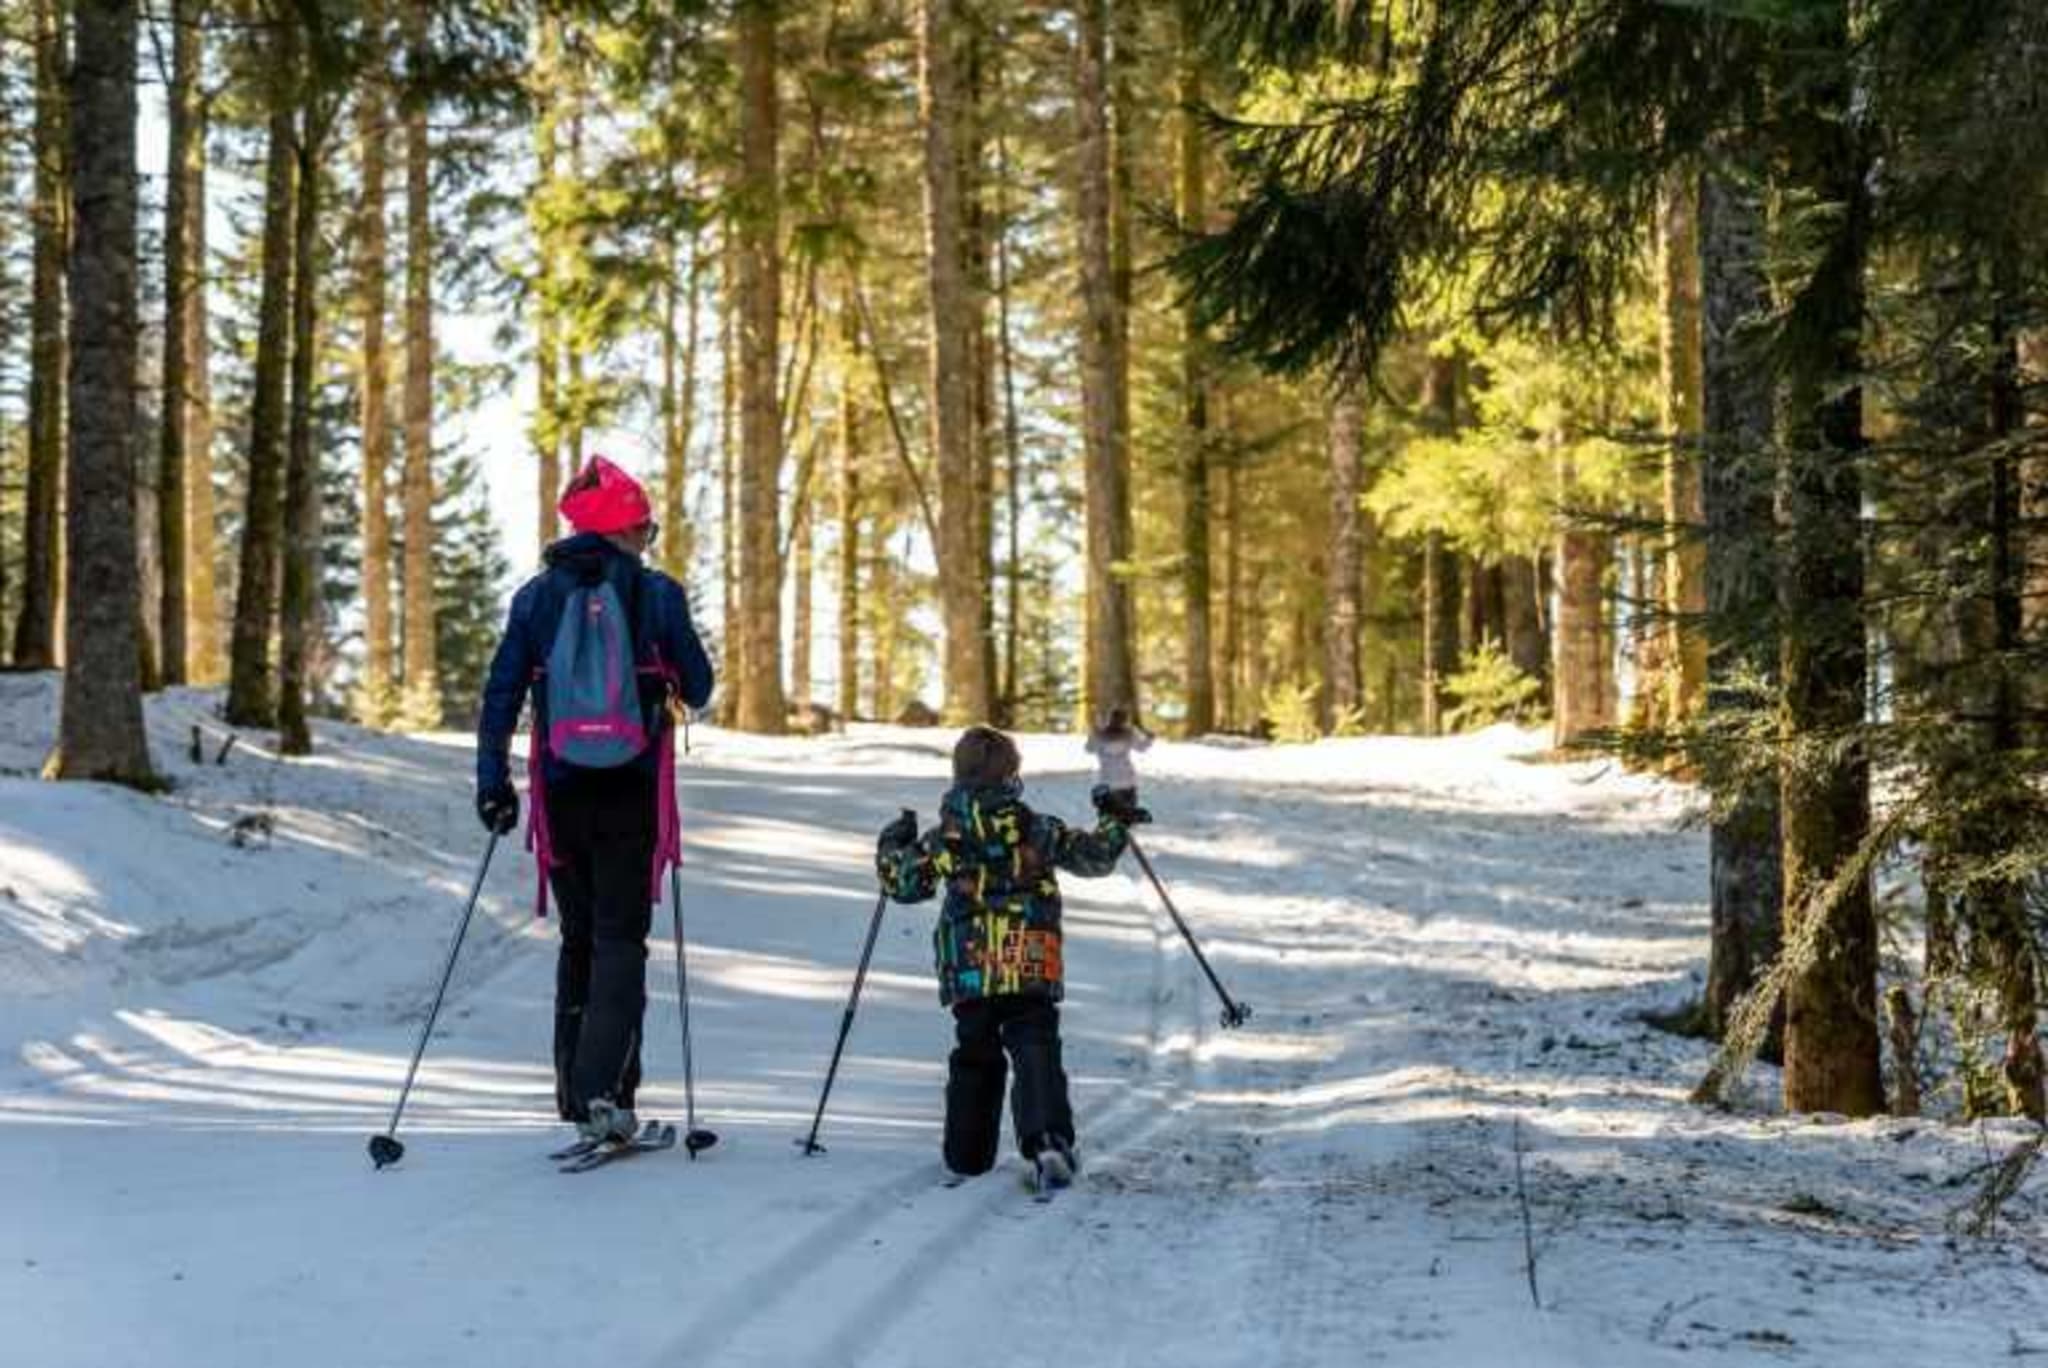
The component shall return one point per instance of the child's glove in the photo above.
(899, 833)
(1120, 806)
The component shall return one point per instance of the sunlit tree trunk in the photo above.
(849, 516)
(35, 630)
(1192, 210)
(373, 113)
(679, 421)
(952, 372)
(1111, 680)
(1013, 457)
(100, 732)
(179, 272)
(1685, 594)
(1343, 687)
(300, 626)
(203, 663)
(546, 427)
(761, 707)
(1584, 692)
(422, 705)
(1441, 580)
(735, 641)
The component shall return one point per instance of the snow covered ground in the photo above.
(1446, 946)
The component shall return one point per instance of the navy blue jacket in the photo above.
(663, 623)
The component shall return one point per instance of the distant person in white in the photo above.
(1112, 744)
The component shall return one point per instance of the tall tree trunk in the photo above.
(761, 707)
(1441, 599)
(1745, 858)
(185, 129)
(1344, 691)
(940, 98)
(1521, 615)
(728, 484)
(1996, 908)
(1831, 1022)
(35, 631)
(977, 227)
(849, 515)
(1685, 592)
(546, 427)
(422, 705)
(1584, 675)
(1111, 679)
(1013, 449)
(679, 428)
(203, 663)
(1192, 211)
(1441, 582)
(300, 629)
(100, 733)
(1230, 700)
(803, 572)
(252, 699)
(379, 701)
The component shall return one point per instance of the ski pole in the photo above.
(1235, 1013)
(694, 1139)
(810, 1145)
(385, 1149)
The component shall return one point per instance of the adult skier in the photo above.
(605, 645)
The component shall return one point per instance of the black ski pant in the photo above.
(602, 826)
(985, 1030)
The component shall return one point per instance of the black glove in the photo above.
(498, 809)
(899, 833)
(1120, 806)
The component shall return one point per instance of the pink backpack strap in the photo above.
(538, 839)
(668, 818)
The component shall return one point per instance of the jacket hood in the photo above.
(962, 798)
(586, 555)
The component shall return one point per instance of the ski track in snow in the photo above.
(1445, 947)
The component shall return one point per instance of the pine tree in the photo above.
(252, 700)
(35, 631)
(422, 698)
(378, 701)
(1111, 680)
(760, 697)
(100, 732)
(952, 375)
(181, 266)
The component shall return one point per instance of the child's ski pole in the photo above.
(810, 1144)
(1235, 1013)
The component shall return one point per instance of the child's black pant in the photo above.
(1027, 1029)
(602, 823)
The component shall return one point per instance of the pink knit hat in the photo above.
(605, 499)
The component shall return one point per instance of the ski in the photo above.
(653, 1136)
(575, 1150)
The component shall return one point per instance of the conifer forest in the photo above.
(1564, 481)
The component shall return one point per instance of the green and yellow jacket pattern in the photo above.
(999, 927)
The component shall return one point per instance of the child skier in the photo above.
(602, 823)
(1112, 744)
(998, 946)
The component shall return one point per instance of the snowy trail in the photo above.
(1445, 946)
